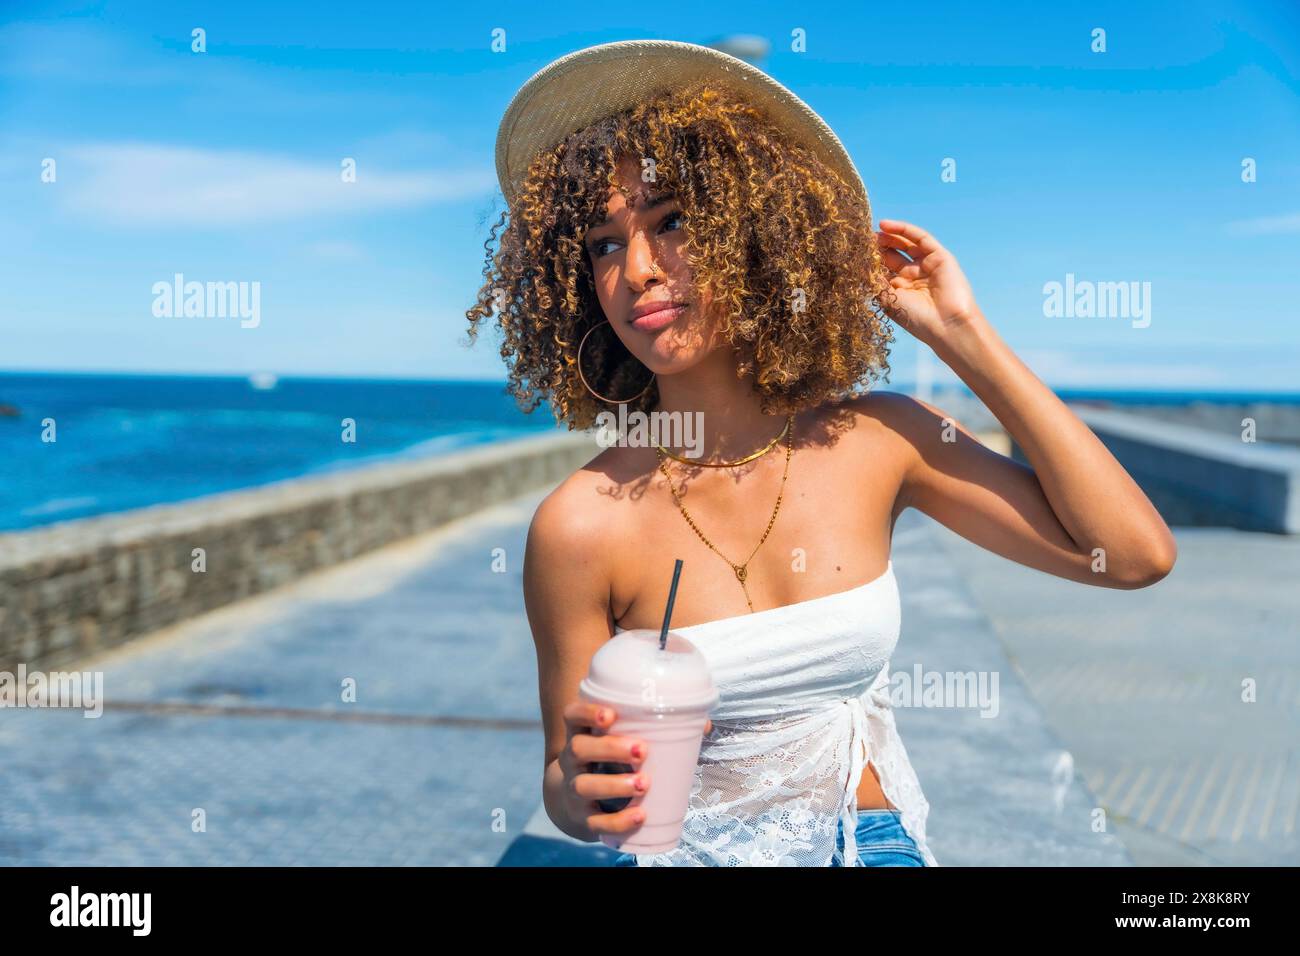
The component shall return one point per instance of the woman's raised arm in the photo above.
(1076, 513)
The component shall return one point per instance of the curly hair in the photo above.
(781, 241)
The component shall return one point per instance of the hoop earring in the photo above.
(612, 401)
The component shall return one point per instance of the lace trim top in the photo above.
(804, 704)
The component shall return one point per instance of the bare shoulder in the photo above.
(911, 433)
(568, 520)
(883, 418)
(569, 539)
(912, 421)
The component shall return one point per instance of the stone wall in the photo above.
(1275, 422)
(82, 586)
(1195, 476)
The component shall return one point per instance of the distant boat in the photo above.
(262, 380)
(8, 411)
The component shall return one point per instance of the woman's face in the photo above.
(638, 263)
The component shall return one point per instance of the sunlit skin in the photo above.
(599, 544)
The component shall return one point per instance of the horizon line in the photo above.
(369, 377)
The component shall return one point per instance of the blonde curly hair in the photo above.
(781, 242)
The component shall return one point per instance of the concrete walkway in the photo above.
(1146, 688)
(240, 714)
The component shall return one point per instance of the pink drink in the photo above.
(663, 697)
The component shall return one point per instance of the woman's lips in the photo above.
(657, 320)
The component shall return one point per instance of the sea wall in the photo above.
(1195, 476)
(80, 587)
(1274, 422)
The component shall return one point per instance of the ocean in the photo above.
(126, 441)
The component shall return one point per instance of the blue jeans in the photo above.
(882, 841)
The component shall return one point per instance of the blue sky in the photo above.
(1122, 166)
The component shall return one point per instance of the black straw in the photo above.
(668, 611)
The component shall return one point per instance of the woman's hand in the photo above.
(932, 293)
(582, 787)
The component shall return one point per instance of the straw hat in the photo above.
(585, 86)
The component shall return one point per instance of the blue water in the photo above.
(125, 441)
(1177, 398)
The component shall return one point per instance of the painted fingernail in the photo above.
(639, 782)
(637, 751)
(604, 716)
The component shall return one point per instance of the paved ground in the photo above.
(240, 714)
(440, 751)
(1146, 688)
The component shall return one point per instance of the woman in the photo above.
(687, 237)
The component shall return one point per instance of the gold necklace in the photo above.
(789, 423)
(739, 569)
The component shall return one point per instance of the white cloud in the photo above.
(1265, 225)
(338, 250)
(1098, 370)
(150, 184)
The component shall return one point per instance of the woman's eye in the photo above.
(598, 245)
(672, 217)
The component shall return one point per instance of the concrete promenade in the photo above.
(238, 719)
(1148, 690)
(240, 714)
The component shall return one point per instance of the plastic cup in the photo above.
(662, 696)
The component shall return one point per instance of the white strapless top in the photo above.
(804, 704)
